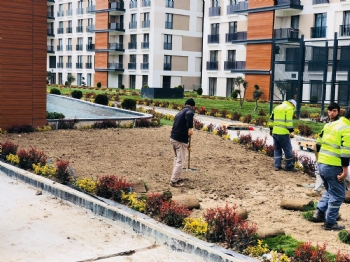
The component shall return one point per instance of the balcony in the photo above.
(167, 66)
(79, 65)
(117, 6)
(50, 32)
(68, 47)
(146, 3)
(132, 45)
(80, 11)
(60, 13)
(144, 45)
(50, 49)
(146, 24)
(60, 30)
(60, 48)
(133, 25)
(318, 32)
(133, 4)
(50, 15)
(212, 65)
(344, 30)
(288, 3)
(116, 26)
(79, 47)
(69, 12)
(132, 66)
(168, 25)
(90, 9)
(169, 3)
(240, 6)
(90, 28)
(318, 2)
(116, 46)
(236, 36)
(59, 65)
(286, 33)
(168, 46)
(214, 11)
(144, 66)
(234, 65)
(115, 66)
(88, 65)
(80, 29)
(50, 1)
(68, 65)
(90, 47)
(69, 30)
(213, 39)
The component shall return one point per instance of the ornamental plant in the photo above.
(196, 226)
(28, 158)
(173, 214)
(131, 200)
(13, 159)
(86, 184)
(153, 204)
(306, 252)
(62, 173)
(46, 170)
(7, 148)
(112, 186)
(258, 250)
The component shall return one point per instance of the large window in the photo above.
(212, 86)
(88, 79)
(166, 81)
(320, 28)
(79, 78)
(343, 93)
(168, 21)
(319, 59)
(167, 62)
(292, 56)
(145, 80)
(230, 86)
(316, 91)
(132, 81)
(168, 42)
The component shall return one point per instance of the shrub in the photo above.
(7, 148)
(304, 130)
(129, 104)
(269, 150)
(153, 204)
(258, 144)
(13, 159)
(21, 129)
(111, 187)
(98, 84)
(46, 170)
(64, 124)
(198, 124)
(235, 93)
(173, 214)
(201, 110)
(54, 115)
(342, 258)
(66, 83)
(256, 251)
(200, 91)
(33, 156)
(221, 130)
(245, 139)
(210, 128)
(101, 100)
(261, 112)
(236, 116)
(282, 244)
(55, 91)
(309, 165)
(86, 184)
(344, 236)
(105, 124)
(122, 86)
(62, 174)
(306, 252)
(247, 118)
(196, 226)
(77, 94)
(131, 200)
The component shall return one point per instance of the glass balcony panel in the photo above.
(213, 39)
(214, 11)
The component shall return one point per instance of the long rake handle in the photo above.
(189, 152)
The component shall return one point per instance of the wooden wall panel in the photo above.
(101, 59)
(102, 4)
(101, 77)
(260, 3)
(260, 25)
(102, 21)
(259, 56)
(263, 81)
(101, 41)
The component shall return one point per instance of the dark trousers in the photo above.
(282, 142)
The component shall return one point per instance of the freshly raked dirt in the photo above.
(227, 173)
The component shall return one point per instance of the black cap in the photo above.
(190, 102)
(333, 105)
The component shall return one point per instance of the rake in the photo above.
(189, 157)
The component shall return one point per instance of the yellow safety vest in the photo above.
(282, 118)
(335, 142)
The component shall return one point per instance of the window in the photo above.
(60, 79)
(145, 43)
(132, 58)
(215, 3)
(214, 56)
(133, 22)
(231, 55)
(52, 61)
(145, 63)
(146, 16)
(167, 62)
(80, 44)
(166, 81)
(292, 55)
(168, 21)
(230, 86)
(133, 4)
(69, 44)
(88, 79)
(133, 38)
(320, 25)
(132, 81)
(60, 62)
(79, 62)
(344, 63)
(232, 27)
(69, 28)
(145, 80)
(146, 20)
(69, 63)
(214, 29)
(80, 26)
(345, 27)
(169, 3)
(79, 76)
(319, 59)
(316, 90)
(145, 37)
(145, 58)
(294, 21)
(69, 10)
(212, 86)
(168, 42)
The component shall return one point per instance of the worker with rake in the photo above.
(181, 132)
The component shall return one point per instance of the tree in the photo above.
(256, 95)
(48, 76)
(283, 87)
(239, 81)
(70, 79)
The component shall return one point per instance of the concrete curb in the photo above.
(140, 223)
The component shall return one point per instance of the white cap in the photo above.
(293, 102)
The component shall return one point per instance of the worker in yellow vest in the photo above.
(281, 129)
(333, 147)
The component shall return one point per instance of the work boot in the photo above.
(319, 216)
(278, 168)
(291, 170)
(313, 193)
(334, 227)
(176, 184)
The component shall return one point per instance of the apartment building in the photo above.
(290, 48)
(135, 43)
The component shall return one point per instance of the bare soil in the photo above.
(227, 173)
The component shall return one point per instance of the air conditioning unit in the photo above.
(291, 75)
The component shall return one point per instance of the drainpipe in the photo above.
(335, 51)
(202, 43)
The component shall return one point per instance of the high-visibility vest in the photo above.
(282, 118)
(335, 142)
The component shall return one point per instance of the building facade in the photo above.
(157, 43)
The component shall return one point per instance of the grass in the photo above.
(283, 244)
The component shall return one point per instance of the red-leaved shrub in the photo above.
(8, 148)
(28, 158)
(153, 204)
(173, 214)
(111, 187)
(62, 173)
(306, 252)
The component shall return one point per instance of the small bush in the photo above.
(247, 118)
(105, 124)
(309, 165)
(46, 170)
(200, 91)
(101, 100)
(13, 159)
(21, 129)
(221, 130)
(261, 112)
(98, 84)
(344, 236)
(245, 139)
(7, 148)
(258, 144)
(122, 86)
(306, 252)
(66, 83)
(129, 104)
(64, 124)
(55, 91)
(62, 174)
(198, 124)
(131, 200)
(269, 150)
(111, 187)
(77, 94)
(258, 250)
(173, 214)
(196, 226)
(153, 204)
(54, 115)
(86, 184)
(236, 116)
(28, 158)
(234, 94)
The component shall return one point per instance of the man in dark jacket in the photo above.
(181, 131)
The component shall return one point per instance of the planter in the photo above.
(150, 92)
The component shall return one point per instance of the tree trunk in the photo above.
(256, 105)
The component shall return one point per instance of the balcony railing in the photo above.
(133, 4)
(167, 66)
(132, 45)
(116, 26)
(90, 28)
(288, 2)
(68, 65)
(236, 36)
(79, 48)
(69, 30)
(80, 11)
(88, 65)
(168, 25)
(289, 33)
(50, 32)
(318, 32)
(90, 47)
(69, 12)
(144, 45)
(144, 66)
(60, 30)
(117, 5)
(50, 49)
(168, 46)
(133, 25)
(232, 65)
(214, 11)
(80, 29)
(50, 15)
(59, 65)
(60, 48)
(116, 46)
(240, 6)
(317, 2)
(90, 9)
(60, 13)
(213, 39)
(344, 30)
(169, 3)
(132, 66)
(212, 65)
(146, 3)
(146, 24)
(68, 47)
(79, 65)
(51, 1)
(115, 65)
